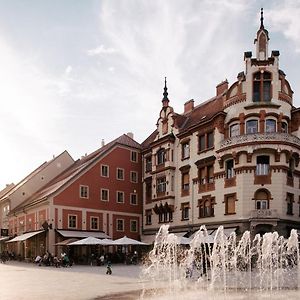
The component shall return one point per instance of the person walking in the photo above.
(108, 268)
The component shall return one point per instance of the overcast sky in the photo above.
(75, 72)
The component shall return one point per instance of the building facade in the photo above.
(98, 195)
(232, 160)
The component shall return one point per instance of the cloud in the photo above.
(100, 50)
(284, 18)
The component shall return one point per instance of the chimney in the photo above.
(188, 106)
(102, 143)
(222, 87)
(130, 134)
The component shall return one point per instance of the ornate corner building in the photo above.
(232, 160)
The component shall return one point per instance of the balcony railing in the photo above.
(260, 137)
(264, 214)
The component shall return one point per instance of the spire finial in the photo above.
(261, 18)
(165, 90)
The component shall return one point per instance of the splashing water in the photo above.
(232, 268)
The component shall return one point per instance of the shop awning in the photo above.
(25, 236)
(3, 239)
(83, 234)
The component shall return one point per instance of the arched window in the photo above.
(284, 127)
(234, 130)
(251, 126)
(261, 87)
(262, 198)
(270, 125)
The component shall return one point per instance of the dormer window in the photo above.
(262, 87)
(161, 156)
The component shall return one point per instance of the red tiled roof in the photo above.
(146, 143)
(79, 166)
(202, 113)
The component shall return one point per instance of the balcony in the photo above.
(264, 214)
(260, 138)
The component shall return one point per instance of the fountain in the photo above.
(263, 267)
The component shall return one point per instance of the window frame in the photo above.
(91, 222)
(69, 220)
(185, 150)
(266, 126)
(231, 131)
(122, 221)
(101, 194)
(248, 126)
(136, 226)
(132, 179)
(122, 172)
(132, 154)
(136, 199)
(107, 169)
(83, 191)
(117, 196)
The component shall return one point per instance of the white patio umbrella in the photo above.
(88, 241)
(183, 240)
(127, 241)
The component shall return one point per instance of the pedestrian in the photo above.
(108, 268)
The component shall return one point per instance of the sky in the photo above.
(75, 72)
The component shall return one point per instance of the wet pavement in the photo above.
(24, 281)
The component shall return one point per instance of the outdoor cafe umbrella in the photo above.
(87, 241)
(124, 241)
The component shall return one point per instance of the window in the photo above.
(262, 165)
(120, 225)
(210, 174)
(206, 207)
(206, 141)
(262, 87)
(284, 127)
(210, 140)
(165, 217)
(148, 216)
(251, 126)
(133, 176)
(229, 168)
(148, 163)
(133, 156)
(185, 181)
(94, 223)
(202, 175)
(161, 156)
(185, 150)
(72, 222)
(148, 184)
(161, 185)
(270, 125)
(261, 200)
(133, 199)
(133, 226)
(120, 197)
(289, 202)
(84, 191)
(230, 204)
(104, 171)
(234, 130)
(120, 174)
(202, 142)
(104, 194)
(185, 210)
(291, 169)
